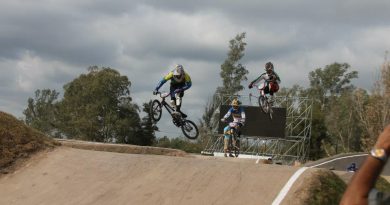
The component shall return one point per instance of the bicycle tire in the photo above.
(263, 104)
(188, 127)
(156, 110)
(270, 112)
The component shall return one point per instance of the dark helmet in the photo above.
(269, 67)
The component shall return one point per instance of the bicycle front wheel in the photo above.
(155, 110)
(236, 147)
(190, 130)
(263, 104)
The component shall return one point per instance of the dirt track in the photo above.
(75, 176)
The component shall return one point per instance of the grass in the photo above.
(18, 141)
(382, 185)
(326, 188)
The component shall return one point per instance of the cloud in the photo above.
(46, 44)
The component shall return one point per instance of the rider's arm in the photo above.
(255, 80)
(229, 112)
(242, 116)
(364, 179)
(164, 80)
(277, 78)
(188, 82)
(258, 79)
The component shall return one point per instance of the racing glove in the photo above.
(250, 86)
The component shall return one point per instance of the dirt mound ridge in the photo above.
(18, 141)
(122, 148)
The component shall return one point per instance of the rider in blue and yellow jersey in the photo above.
(238, 115)
(180, 81)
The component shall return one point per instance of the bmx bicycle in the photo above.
(189, 128)
(264, 101)
(234, 142)
(265, 105)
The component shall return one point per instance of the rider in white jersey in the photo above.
(271, 81)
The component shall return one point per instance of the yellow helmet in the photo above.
(235, 104)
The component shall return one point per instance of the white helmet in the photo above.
(178, 73)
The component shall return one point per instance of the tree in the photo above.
(232, 71)
(97, 106)
(148, 127)
(41, 111)
(326, 85)
(343, 125)
(330, 81)
(232, 74)
(373, 110)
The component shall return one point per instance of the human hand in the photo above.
(250, 86)
(155, 92)
(384, 140)
(223, 120)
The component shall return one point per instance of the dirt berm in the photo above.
(135, 175)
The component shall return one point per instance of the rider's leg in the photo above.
(179, 105)
(180, 95)
(271, 97)
(267, 91)
(274, 87)
(173, 98)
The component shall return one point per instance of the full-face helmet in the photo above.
(269, 67)
(178, 73)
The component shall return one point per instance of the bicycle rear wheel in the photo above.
(270, 112)
(155, 110)
(190, 130)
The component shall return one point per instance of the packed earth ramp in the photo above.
(74, 176)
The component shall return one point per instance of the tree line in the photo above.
(97, 106)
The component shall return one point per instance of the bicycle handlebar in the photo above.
(162, 94)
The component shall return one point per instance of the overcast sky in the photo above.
(45, 44)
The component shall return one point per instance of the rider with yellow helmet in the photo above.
(238, 115)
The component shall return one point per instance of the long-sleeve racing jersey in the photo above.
(185, 82)
(238, 115)
(267, 78)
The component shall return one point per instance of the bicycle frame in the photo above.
(169, 108)
(234, 142)
(189, 128)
